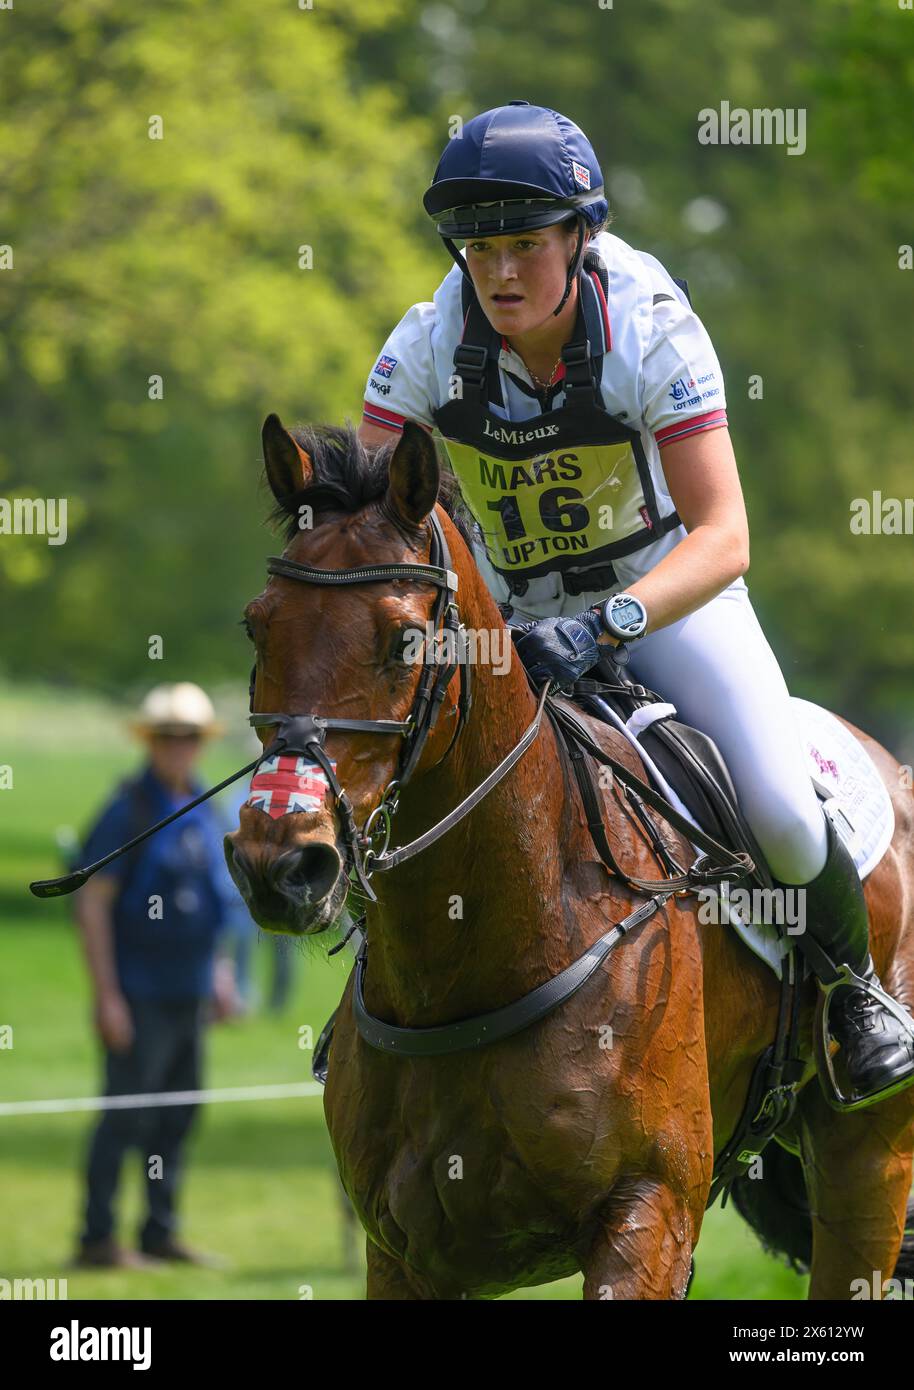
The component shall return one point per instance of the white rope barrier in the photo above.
(292, 1090)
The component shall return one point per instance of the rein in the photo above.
(370, 853)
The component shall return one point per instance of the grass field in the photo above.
(261, 1184)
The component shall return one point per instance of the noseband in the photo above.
(305, 734)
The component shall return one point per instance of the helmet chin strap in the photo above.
(461, 261)
(575, 262)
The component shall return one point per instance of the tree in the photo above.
(212, 215)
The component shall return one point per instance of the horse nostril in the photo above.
(317, 868)
(238, 866)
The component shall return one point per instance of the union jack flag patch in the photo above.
(286, 784)
(581, 174)
(385, 365)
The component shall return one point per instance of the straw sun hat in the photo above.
(182, 708)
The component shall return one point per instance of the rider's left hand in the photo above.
(560, 650)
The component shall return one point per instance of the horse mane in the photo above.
(347, 476)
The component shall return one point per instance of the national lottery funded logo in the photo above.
(687, 390)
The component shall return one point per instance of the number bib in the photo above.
(568, 486)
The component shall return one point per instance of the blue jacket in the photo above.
(170, 954)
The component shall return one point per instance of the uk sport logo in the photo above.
(283, 785)
(581, 174)
(385, 366)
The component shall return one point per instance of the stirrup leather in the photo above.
(845, 978)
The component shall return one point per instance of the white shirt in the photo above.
(661, 377)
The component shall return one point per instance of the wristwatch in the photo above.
(624, 617)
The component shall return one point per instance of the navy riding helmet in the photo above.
(516, 168)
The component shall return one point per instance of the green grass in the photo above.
(261, 1184)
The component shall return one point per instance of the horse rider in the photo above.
(582, 406)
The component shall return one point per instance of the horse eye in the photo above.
(407, 643)
(248, 630)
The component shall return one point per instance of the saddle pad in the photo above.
(848, 780)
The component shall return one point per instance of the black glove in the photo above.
(560, 650)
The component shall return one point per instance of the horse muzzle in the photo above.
(298, 889)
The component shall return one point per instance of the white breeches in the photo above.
(717, 668)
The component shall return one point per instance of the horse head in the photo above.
(356, 651)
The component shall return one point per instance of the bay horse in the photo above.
(585, 1142)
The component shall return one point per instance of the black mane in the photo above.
(347, 476)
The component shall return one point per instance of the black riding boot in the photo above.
(877, 1048)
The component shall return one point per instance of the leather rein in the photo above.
(370, 852)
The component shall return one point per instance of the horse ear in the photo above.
(288, 465)
(414, 475)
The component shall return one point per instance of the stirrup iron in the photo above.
(844, 978)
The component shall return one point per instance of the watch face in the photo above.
(628, 614)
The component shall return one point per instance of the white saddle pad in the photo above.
(845, 775)
(854, 797)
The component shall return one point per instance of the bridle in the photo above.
(305, 734)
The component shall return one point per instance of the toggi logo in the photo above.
(823, 764)
(506, 436)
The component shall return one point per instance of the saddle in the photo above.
(688, 761)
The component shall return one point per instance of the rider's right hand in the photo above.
(560, 649)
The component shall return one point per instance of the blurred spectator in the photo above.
(149, 924)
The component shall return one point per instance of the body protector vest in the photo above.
(565, 491)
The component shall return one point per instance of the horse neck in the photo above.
(472, 921)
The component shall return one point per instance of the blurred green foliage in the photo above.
(286, 128)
